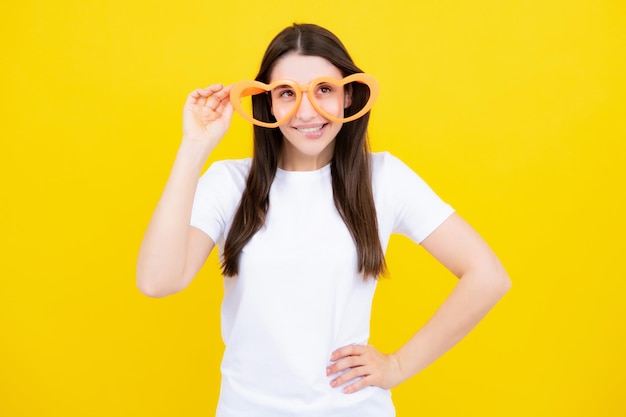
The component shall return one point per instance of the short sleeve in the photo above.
(411, 207)
(217, 197)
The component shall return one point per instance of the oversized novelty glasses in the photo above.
(355, 93)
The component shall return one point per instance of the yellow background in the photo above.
(512, 111)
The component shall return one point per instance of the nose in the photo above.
(306, 111)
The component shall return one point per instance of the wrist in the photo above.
(194, 153)
(400, 373)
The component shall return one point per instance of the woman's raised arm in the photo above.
(172, 251)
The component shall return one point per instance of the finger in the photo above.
(205, 92)
(214, 88)
(350, 350)
(225, 109)
(345, 363)
(357, 386)
(192, 98)
(353, 373)
(213, 102)
(228, 88)
(220, 97)
(198, 96)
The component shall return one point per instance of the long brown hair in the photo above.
(350, 166)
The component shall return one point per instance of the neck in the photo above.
(291, 159)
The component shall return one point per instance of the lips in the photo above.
(310, 129)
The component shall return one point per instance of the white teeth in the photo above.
(310, 129)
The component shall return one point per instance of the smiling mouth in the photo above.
(310, 129)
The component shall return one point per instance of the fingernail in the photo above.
(327, 371)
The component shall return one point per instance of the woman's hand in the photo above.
(207, 114)
(365, 364)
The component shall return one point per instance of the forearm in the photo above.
(162, 256)
(472, 298)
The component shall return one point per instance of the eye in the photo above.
(324, 89)
(283, 92)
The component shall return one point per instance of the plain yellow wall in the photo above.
(513, 111)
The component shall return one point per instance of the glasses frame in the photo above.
(252, 87)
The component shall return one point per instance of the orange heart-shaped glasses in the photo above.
(250, 88)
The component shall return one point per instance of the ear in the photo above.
(347, 100)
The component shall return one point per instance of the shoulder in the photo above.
(225, 177)
(393, 180)
(233, 169)
(231, 166)
(385, 159)
(386, 166)
(405, 202)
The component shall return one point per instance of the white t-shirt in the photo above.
(298, 295)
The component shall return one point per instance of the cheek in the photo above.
(334, 107)
(284, 131)
(280, 110)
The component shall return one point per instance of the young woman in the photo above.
(302, 228)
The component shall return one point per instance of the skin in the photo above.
(482, 282)
(301, 151)
(172, 252)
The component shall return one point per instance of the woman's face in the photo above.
(309, 138)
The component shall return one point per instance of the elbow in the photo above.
(504, 284)
(499, 279)
(150, 290)
(491, 278)
(507, 283)
(150, 285)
